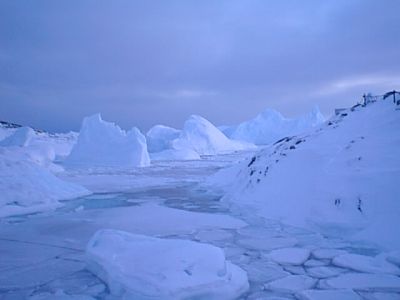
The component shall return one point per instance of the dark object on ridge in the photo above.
(253, 159)
(392, 93)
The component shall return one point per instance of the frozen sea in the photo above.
(42, 256)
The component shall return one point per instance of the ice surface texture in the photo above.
(140, 267)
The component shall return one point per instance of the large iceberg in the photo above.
(141, 267)
(206, 139)
(270, 126)
(104, 144)
(27, 187)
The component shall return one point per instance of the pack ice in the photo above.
(140, 267)
(104, 144)
(270, 125)
(341, 179)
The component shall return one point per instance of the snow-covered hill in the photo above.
(343, 178)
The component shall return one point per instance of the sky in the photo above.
(142, 63)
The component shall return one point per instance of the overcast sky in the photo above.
(142, 63)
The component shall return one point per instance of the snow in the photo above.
(175, 154)
(327, 253)
(26, 187)
(141, 219)
(324, 271)
(367, 264)
(267, 243)
(21, 137)
(315, 263)
(160, 137)
(213, 235)
(61, 143)
(104, 144)
(59, 296)
(141, 267)
(270, 126)
(291, 284)
(340, 179)
(206, 139)
(328, 295)
(264, 272)
(380, 296)
(394, 257)
(363, 282)
(289, 256)
(198, 137)
(345, 207)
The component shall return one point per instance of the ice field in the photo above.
(43, 255)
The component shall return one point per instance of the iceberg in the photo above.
(206, 139)
(159, 138)
(104, 144)
(270, 126)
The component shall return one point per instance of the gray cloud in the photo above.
(146, 62)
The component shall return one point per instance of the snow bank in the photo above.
(140, 267)
(269, 126)
(204, 138)
(21, 137)
(160, 137)
(104, 144)
(341, 179)
(27, 187)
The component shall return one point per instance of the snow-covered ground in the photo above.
(43, 255)
(341, 179)
(283, 222)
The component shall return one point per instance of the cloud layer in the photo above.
(146, 62)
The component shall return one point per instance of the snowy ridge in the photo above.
(342, 178)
